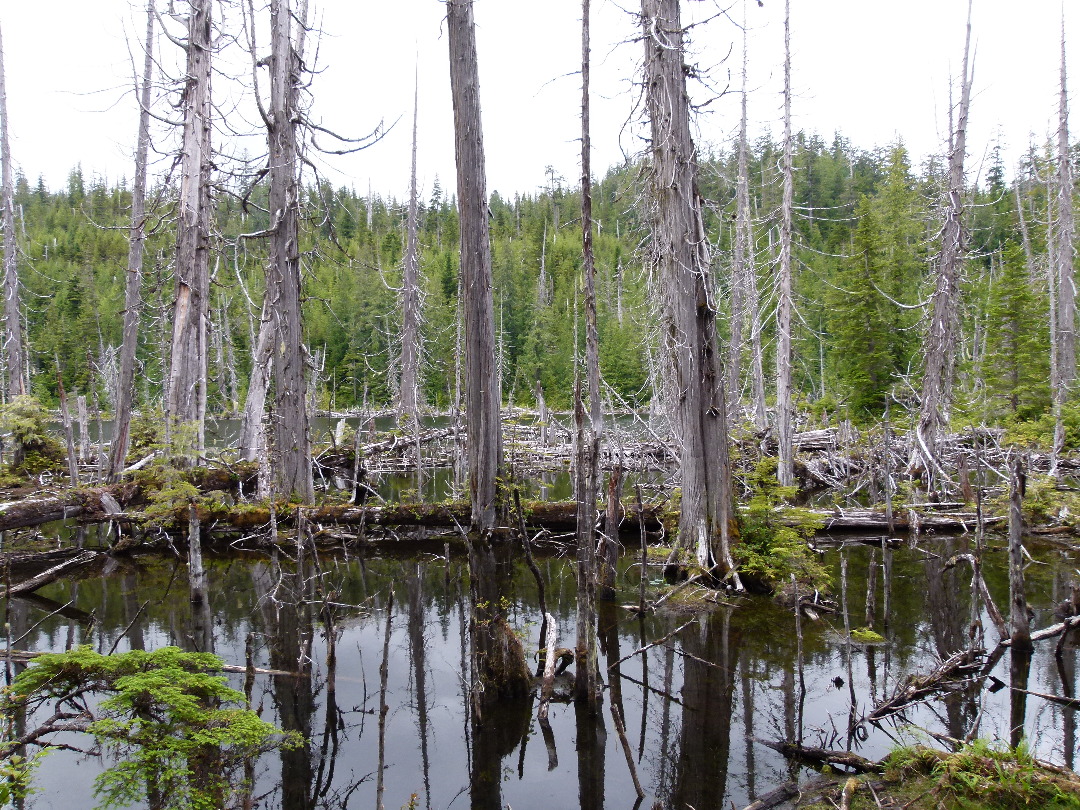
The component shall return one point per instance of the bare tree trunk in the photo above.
(1018, 609)
(136, 238)
(785, 471)
(251, 419)
(745, 305)
(13, 332)
(292, 442)
(939, 345)
(1065, 255)
(588, 443)
(483, 392)
(186, 405)
(679, 252)
(409, 411)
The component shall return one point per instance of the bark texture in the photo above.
(186, 404)
(483, 390)
(133, 288)
(14, 347)
(939, 345)
(679, 255)
(785, 470)
(292, 441)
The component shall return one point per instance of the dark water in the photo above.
(689, 705)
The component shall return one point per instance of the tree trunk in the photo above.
(785, 470)
(136, 239)
(939, 347)
(483, 392)
(1064, 349)
(679, 252)
(292, 442)
(252, 435)
(409, 393)
(186, 404)
(588, 430)
(13, 331)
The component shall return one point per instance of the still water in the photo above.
(692, 705)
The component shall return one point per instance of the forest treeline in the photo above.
(866, 229)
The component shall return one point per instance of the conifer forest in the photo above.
(296, 478)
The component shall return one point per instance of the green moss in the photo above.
(773, 540)
(864, 635)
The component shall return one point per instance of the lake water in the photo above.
(691, 705)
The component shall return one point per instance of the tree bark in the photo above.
(186, 404)
(13, 331)
(409, 388)
(292, 440)
(1064, 368)
(136, 239)
(587, 473)
(785, 471)
(483, 390)
(679, 252)
(939, 345)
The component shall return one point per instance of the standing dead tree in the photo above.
(588, 430)
(745, 303)
(186, 403)
(1062, 236)
(679, 254)
(14, 347)
(939, 344)
(409, 388)
(483, 390)
(133, 288)
(785, 470)
(292, 441)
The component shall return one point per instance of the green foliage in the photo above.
(35, 450)
(177, 731)
(1038, 432)
(981, 775)
(773, 539)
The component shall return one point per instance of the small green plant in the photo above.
(982, 775)
(33, 449)
(773, 542)
(177, 732)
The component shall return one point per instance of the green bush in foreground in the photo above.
(177, 731)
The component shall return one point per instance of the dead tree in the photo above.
(13, 329)
(588, 430)
(785, 470)
(133, 289)
(1064, 348)
(292, 441)
(483, 390)
(939, 344)
(186, 403)
(745, 303)
(679, 255)
(409, 388)
(251, 418)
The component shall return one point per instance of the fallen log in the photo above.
(49, 575)
(822, 756)
(874, 520)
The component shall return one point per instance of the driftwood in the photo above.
(786, 791)
(50, 574)
(822, 756)
(874, 520)
(957, 667)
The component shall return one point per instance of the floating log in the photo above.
(50, 574)
(822, 756)
(873, 520)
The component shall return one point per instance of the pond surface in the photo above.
(691, 705)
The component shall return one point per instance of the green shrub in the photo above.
(773, 540)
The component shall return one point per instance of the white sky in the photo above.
(871, 70)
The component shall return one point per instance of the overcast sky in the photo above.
(872, 70)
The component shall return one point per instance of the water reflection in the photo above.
(690, 706)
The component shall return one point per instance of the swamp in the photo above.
(360, 639)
